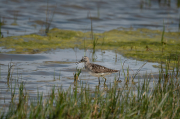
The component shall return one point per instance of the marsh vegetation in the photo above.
(39, 80)
(141, 44)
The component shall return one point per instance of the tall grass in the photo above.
(0, 28)
(48, 18)
(0, 72)
(179, 18)
(162, 37)
(94, 39)
(146, 99)
(94, 42)
(10, 72)
(76, 74)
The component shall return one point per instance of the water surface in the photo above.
(30, 16)
(56, 68)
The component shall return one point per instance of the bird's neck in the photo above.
(86, 63)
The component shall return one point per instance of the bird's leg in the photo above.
(99, 80)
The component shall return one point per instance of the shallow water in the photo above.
(56, 68)
(29, 16)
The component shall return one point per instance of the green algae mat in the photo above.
(141, 44)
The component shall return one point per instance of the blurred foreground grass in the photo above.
(150, 98)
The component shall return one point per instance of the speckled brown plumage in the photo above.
(98, 68)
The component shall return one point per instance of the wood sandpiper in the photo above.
(95, 69)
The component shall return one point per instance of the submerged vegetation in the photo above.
(141, 44)
(1, 23)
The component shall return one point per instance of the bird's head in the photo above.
(84, 59)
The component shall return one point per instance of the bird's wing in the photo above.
(100, 69)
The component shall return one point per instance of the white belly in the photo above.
(98, 74)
